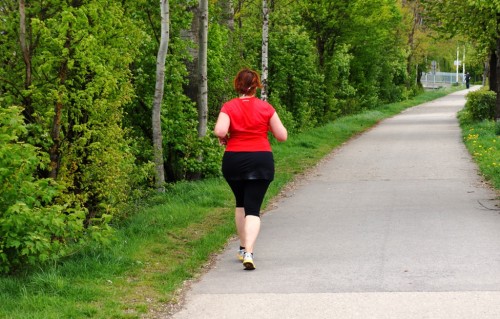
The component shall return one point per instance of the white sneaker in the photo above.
(248, 261)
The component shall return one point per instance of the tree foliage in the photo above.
(79, 54)
(83, 73)
(477, 21)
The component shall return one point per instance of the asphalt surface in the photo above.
(397, 223)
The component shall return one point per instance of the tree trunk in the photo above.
(240, 27)
(411, 42)
(486, 72)
(493, 72)
(228, 14)
(24, 45)
(228, 20)
(202, 70)
(192, 35)
(265, 49)
(497, 68)
(158, 96)
(321, 46)
(55, 134)
(25, 48)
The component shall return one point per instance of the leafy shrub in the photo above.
(187, 156)
(34, 228)
(298, 85)
(481, 105)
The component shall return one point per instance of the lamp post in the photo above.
(463, 65)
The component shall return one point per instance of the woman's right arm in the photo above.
(277, 128)
(222, 127)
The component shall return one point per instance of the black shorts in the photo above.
(249, 194)
(248, 166)
(249, 175)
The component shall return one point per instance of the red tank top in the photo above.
(249, 124)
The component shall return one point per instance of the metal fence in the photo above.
(441, 79)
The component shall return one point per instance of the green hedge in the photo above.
(481, 105)
(35, 225)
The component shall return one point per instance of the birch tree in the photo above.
(202, 70)
(158, 96)
(197, 88)
(265, 49)
(192, 36)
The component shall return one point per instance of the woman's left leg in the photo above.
(239, 218)
(238, 188)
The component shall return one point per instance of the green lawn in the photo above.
(483, 142)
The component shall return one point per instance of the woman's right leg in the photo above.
(251, 232)
(255, 190)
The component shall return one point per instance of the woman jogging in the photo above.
(248, 164)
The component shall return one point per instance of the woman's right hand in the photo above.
(223, 140)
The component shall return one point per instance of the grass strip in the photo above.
(483, 143)
(168, 240)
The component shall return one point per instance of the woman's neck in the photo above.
(244, 96)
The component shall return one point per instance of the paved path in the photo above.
(394, 225)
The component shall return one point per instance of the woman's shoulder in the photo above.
(264, 104)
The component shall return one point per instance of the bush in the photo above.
(33, 227)
(481, 105)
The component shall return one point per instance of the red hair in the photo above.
(246, 82)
